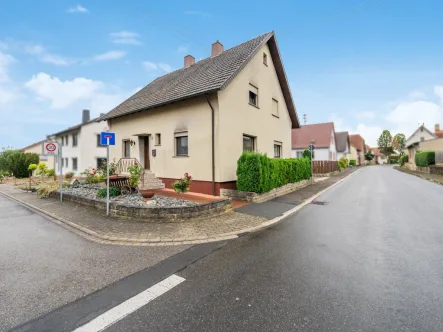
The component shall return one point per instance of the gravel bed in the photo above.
(90, 191)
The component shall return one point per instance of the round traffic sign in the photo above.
(51, 147)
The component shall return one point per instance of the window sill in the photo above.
(180, 156)
(254, 105)
(275, 116)
(157, 145)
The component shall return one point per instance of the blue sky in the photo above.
(366, 65)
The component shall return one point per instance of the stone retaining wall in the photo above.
(259, 198)
(163, 214)
(423, 169)
(436, 169)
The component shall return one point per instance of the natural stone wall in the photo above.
(259, 198)
(423, 169)
(436, 170)
(162, 214)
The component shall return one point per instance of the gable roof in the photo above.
(408, 144)
(31, 145)
(319, 132)
(341, 138)
(206, 76)
(357, 141)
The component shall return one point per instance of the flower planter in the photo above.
(147, 194)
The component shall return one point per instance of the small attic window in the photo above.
(265, 59)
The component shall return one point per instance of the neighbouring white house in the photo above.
(38, 148)
(413, 142)
(323, 137)
(80, 145)
(342, 144)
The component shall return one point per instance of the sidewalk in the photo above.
(430, 177)
(90, 224)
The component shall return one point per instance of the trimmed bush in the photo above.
(352, 162)
(343, 163)
(425, 158)
(258, 173)
(394, 159)
(306, 153)
(403, 159)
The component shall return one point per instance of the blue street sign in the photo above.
(105, 136)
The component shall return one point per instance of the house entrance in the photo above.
(147, 162)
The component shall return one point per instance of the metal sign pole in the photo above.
(107, 177)
(312, 171)
(61, 172)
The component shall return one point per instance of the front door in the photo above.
(147, 163)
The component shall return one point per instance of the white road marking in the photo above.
(119, 312)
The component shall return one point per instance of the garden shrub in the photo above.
(69, 175)
(258, 173)
(394, 159)
(425, 158)
(307, 154)
(403, 159)
(17, 163)
(352, 162)
(50, 172)
(44, 190)
(113, 192)
(343, 163)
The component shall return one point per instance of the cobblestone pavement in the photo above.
(93, 225)
(99, 228)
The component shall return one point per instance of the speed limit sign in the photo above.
(50, 148)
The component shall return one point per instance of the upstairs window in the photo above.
(274, 107)
(126, 149)
(253, 95)
(67, 140)
(265, 59)
(74, 139)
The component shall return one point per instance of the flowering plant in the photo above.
(182, 185)
(112, 167)
(92, 176)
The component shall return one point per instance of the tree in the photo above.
(385, 143)
(307, 154)
(18, 163)
(399, 143)
(369, 155)
(5, 152)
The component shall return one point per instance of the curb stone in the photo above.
(106, 239)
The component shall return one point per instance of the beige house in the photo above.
(199, 119)
(353, 154)
(413, 143)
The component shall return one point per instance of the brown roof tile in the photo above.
(319, 132)
(206, 76)
(357, 141)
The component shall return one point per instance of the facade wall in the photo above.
(433, 144)
(352, 155)
(419, 136)
(192, 116)
(38, 148)
(238, 117)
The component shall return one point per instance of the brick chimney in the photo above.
(217, 48)
(189, 61)
(86, 116)
(437, 128)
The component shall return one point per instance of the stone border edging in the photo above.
(98, 238)
(152, 214)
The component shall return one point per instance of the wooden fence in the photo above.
(324, 166)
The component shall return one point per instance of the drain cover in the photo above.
(319, 202)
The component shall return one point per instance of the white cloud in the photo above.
(5, 61)
(157, 67)
(46, 57)
(365, 115)
(369, 133)
(126, 37)
(196, 13)
(111, 55)
(417, 94)
(62, 94)
(77, 9)
(182, 49)
(438, 90)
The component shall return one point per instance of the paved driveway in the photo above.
(44, 266)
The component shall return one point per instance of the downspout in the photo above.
(213, 145)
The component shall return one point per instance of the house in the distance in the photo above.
(199, 119)
(422, 134)
(80, 145)
(322, 135)
(379, 158)
(359, 144)
(38, 149)
(342, 144)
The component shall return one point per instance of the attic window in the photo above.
(253, 95)
(265, 59)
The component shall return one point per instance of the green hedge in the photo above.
(394, 159)
(425, 158)
(352, 162)
(258, 173)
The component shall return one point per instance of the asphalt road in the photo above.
(369, 260)
(44, 266)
